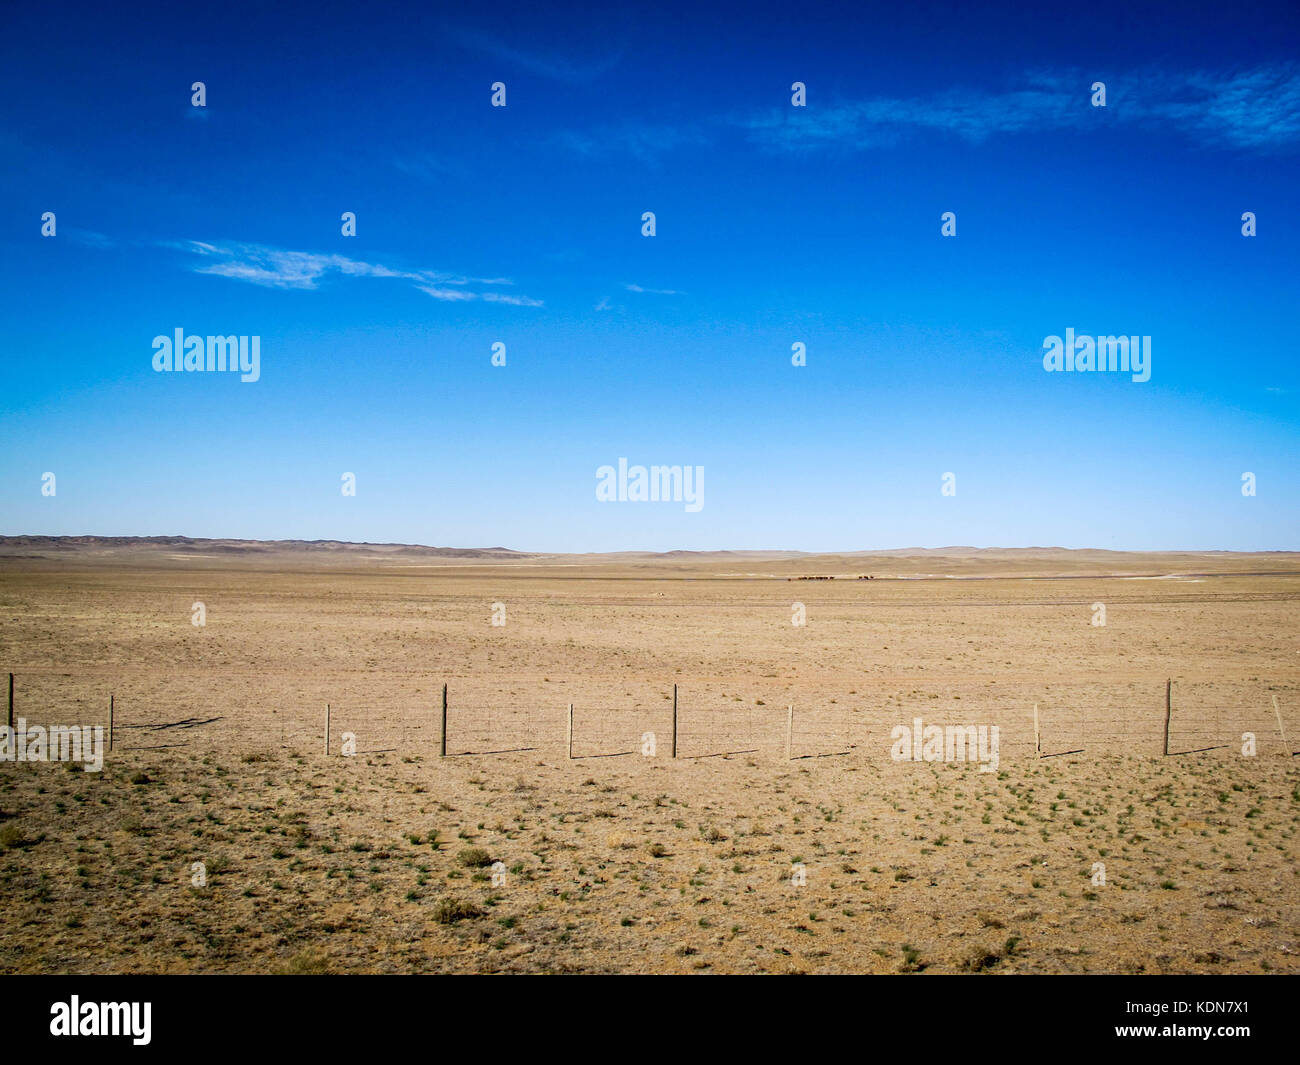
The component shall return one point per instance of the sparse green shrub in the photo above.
(450, 910)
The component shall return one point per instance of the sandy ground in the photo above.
(731, 857)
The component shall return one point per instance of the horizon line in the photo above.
(162, 538)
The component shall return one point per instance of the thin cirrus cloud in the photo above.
(555, 67)
(1256, 109)
(654, 291)
(270, 267)
(429, 167)
(643, 141)
(88, 238)
(606, 305)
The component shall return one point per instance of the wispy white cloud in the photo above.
(270, 267)
(447, 294)
(1256, 109)
(882, 121)
(459, 295)
(555, 67)
(429, 167)
(643, 141)
(654, 291)
(88, 238)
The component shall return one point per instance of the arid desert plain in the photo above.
(222, 836)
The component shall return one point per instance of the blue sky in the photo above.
(775, 224)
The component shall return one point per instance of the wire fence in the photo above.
(672, 721)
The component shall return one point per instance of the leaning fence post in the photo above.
(789, 730)
(327, 728)
(110, 721)
(1169, 710)
(570, 730)
(674, 720)
(442, 751)
(1277, 710)
(1038, 741)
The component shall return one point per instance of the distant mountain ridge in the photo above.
(181, 545)
(236, 546)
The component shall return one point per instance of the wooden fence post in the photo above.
(789, 730)
(1038, 739)
(1278, 712)
(1169, 710)
(327, 728)
(442, 750)
(11, 700)
(674, 720)
(570, 730)
(110, 720)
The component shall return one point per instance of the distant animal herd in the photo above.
(862, 578)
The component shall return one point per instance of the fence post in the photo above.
(1038, 739)
(442, 750)
(674, 720)
(110, 720)
(789, 730)
(570, 730)
(1278, 712)
(1169, 710)
(327, 728)
(11, 700)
